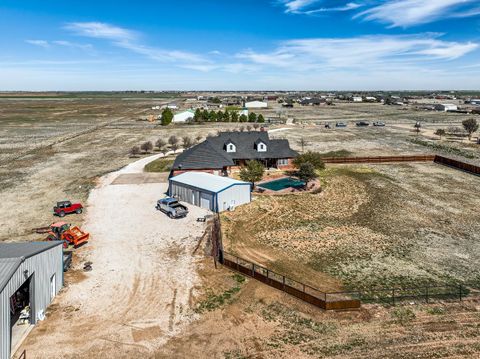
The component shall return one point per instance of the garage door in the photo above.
(205, 201)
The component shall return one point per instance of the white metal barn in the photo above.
(209, 191)
(256, 104)
(31, 274)
(446, 107)
(183, 116)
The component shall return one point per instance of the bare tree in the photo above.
(146, 147)
(173, 140)
(256, 126)
(174, 147)
(198, 138)
(160, 144)
(187, 142)
(242, 128)
(249, 128)
(417, 126)
(303, 143)
(471, 126)
(134, 151)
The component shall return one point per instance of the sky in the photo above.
(103, 45)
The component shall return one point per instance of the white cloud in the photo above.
(41, 43)
(101, 30)
(310, 7)
(297, 6)
(347, 7)
(359, 52)
(404, 13)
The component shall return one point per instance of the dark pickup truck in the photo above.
(172, 208)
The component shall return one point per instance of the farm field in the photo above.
(371, 226)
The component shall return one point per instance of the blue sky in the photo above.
(239, 45)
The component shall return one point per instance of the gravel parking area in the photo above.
(141, 289)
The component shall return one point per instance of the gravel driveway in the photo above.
(140, 290)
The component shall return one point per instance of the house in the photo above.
(184, 116)
(312, 101)
(357, 99)
(446, 107)
(31, 275)
(208, 191)
(222, 154)
(256, 104)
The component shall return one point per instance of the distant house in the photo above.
(184, 116)
(446, 107)
(357, 99)
(370, 99)
(312, 101)
(222, 154)
(256, 104)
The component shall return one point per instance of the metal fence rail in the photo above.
(380, 159)
(458, 165)
(281, 282)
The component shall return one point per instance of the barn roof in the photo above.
(206, 181)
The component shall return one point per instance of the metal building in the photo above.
(31, 274)
(209, 191)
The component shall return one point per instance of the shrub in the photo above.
(146, 147)
(167, 117)
(311, 157)
(134, 151)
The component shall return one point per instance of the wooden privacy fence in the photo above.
(380, 159)
(458, 165)
(327, 301)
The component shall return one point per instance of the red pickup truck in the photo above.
(66, 207)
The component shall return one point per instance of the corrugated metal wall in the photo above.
(235, 195)
(189, 194)
(42, 266)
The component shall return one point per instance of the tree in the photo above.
(303, 143)
(234, 116)
(160, 143)
(146, 147)
(167, 117)
(198, 138)
(252, 117)
(260, 119)
(173, 142)
(242, 128)
(198, 117)
(306, 172)
(220, 116)
(212, 116)
(470, 126)
(252, 172)
(187, 142)
(134, 151)
(256, 126)
(249, 128)
(243, 118)
(314, 158)
(417, 126)
(205, 115)
(216, 100)
(440, 132)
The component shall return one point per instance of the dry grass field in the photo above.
(371, 225)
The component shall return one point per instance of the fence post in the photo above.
(267, 273)
(393, 296)
(426, 294)
(283, 279)
(253, 270)
(237, 263)
(460, 292)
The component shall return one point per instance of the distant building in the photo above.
(446, 107)
(312, 101)
(184, 116)
(256, 104)
(370, 99)
(357, 99)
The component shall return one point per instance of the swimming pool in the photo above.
(282, 183)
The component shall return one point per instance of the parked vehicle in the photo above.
(379, 124)
(362, 123)
(340, 124)
(171, 207)
(65, 207)
(62, 231)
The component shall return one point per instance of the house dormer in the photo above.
(230, 146)
(260, 146)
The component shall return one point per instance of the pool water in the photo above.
(282, 183)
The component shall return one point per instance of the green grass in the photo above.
(215, 301)
(160, 165)
(339, 153)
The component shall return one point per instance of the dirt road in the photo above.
(144, 277)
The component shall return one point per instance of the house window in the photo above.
(261, 147)
(231, 147)
(282, 162)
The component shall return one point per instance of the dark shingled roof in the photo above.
(211, 153)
